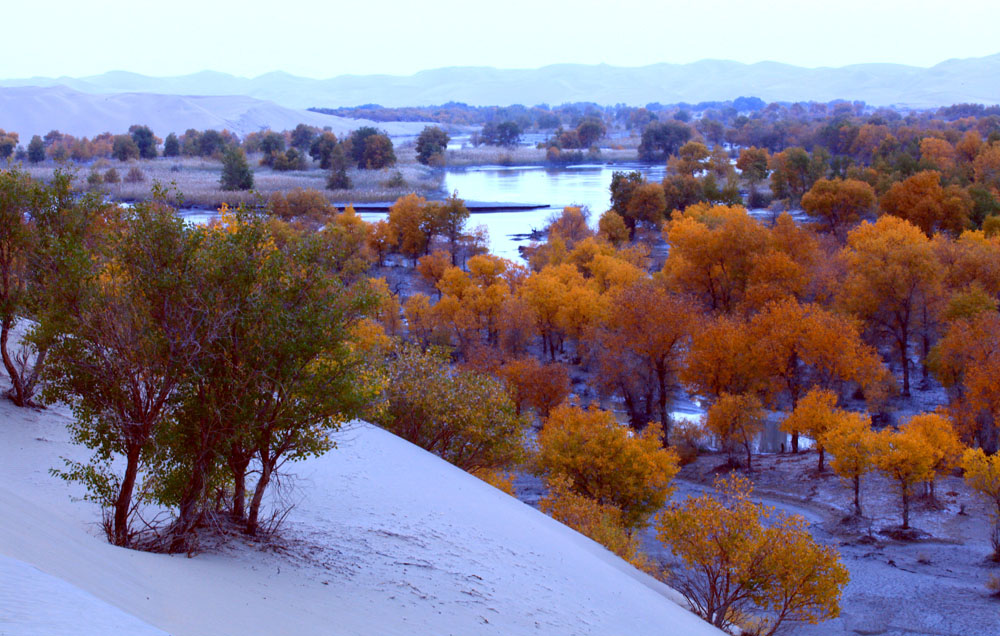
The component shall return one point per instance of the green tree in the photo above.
(36, 150)
(144, 140)
(303, 136)
(126, 352)
(171, 146)
(124, 148)
(431, 145)
(44, 232)
(254, 400)
(662, 139)
(323, 147)
(236, 172)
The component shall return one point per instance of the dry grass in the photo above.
(197, 181)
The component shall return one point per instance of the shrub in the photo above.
(112, 176)
(741, 559)
(604, 461)
(135, 175)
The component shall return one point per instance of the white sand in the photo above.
(385, 539)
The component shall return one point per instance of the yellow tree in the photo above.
(982, 474)
(906, 458)
(723, 358)
(382, 240)
(605, 461)
(838, 204)
(814, 415)
(941, 438)
(967, 361)
(611, 227)
(891, 272)
(852, 443)
(602, 522)
(406, 216)
(535, 385)
(433, 266)
(711, 253)
(736, 419)
(740, 558)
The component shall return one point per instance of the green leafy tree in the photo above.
(431, 145)
(124, 148)
(303, 136)
(122, 359)
(236, 172)
(171, 146)
(253, 400)
(36, 150)
(662, 139)
(44, 257)
(144, 140)
(323, 147)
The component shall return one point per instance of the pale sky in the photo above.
(326, 38)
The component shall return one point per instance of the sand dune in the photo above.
(385, 539)
(31, 110)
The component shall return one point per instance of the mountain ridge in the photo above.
(954, 80)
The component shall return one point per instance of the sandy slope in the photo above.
(385, 539)
(33, 110)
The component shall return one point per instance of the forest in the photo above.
(199, 359)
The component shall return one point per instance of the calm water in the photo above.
(585, 185)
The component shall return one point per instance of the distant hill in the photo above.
(31, 110)
(950, 82)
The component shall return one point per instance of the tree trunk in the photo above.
(857, 495)
(258, 496)
(822, 453)
(904, 355)
(906, 508)
(124, 501)
(16, 392)
(238, 467)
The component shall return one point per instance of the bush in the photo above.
(94, 179)
(395, 181)
(604, 461)
(112, 176)
(465, 418)
(135, 175)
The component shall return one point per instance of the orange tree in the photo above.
(736, 419)
(739, 558)
(891, 273)
(604, 461)
(644, 332)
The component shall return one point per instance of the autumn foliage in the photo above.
(602, 460)
(741, 559)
